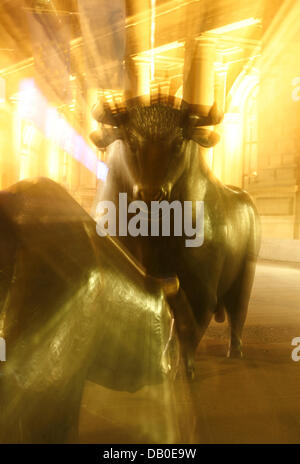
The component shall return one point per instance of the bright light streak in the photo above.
(159, 50)
(34, 107)
(232, 132)
(153, 5)
(2, 90)
(241, 90)
(102, 171)
(230, 51)
(53, 162)
(235, 26)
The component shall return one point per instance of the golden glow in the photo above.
(158, 65)
(232, 50)
(242, 88)
(161, 49)
(28, 135)
(35, 116)
(232, 132)
(2, 90)
(24, 174)
(53, 157)
(235, 26)
(178, 94)
(153, 4)
(233, 128)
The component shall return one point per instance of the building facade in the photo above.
(243, 55)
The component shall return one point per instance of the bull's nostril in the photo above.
(149, 194)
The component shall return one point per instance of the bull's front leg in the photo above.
(187, 329)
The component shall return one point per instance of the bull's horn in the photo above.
(204, 137)
(103, 114)
(104, 137)
(196, 117)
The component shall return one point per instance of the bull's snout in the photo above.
(149, 194)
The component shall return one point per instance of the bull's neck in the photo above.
(196, 176)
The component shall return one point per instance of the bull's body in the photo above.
(73, 306)
(216, 275)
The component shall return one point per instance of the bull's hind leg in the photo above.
(236, 303)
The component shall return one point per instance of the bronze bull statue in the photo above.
(158, 159)
(73, 307)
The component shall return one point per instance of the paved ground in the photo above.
(256, 400)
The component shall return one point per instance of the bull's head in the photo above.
(155, 137)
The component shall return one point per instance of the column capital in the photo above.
(199, 71)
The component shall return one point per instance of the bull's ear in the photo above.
(196, 117)
(204, 137)
(105, 136)
(103, 114)
(215, 116)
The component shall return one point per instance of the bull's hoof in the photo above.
(220, 314)
(234, 353)
(190, 370)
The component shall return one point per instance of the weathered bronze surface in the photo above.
(159, 160)
(73, 306)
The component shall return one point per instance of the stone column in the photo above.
(199, 74)
(138, 78)
(138, 40)
(219, 161)
(143, 78)
(199, 78)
